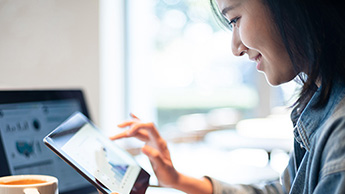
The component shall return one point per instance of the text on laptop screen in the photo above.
(22, 128)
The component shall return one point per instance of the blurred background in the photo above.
(167, 61)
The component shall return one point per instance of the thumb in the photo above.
(154, 155)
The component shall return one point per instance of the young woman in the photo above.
(288, 39)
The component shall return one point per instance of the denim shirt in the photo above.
(317, 163)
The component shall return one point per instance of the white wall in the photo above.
(112, 60)
(51, 44)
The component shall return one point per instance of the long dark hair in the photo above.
(313, 32)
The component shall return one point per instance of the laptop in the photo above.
(26, 117)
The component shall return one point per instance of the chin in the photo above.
(276, 81)
(272, 81)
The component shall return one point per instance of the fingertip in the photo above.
(121, 125)
(133, 116)
(118, 136)
(149, 151)
(145, 150)
(125, 124)
(112, 138)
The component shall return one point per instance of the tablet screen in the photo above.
(92, 154)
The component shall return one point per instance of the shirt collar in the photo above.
(307, 122)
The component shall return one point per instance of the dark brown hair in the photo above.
(313, 32)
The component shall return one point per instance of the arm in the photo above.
(193, 185)
(157, 151)
(273, 187)
(328, 165)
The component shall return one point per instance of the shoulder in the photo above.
(328, 141)
(331, 144)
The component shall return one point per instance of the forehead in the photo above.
(228, 5)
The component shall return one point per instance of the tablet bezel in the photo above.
(72, 125)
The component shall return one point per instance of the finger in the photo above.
(102, 193)
(152, 131)
(133, 116)
(119, 136)
(141, 135)
(126, 124)
(154, 156)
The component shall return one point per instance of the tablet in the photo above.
(104, 164)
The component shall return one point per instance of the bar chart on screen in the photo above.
(95, 153)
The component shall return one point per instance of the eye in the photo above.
(232, 23)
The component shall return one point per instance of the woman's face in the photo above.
(254, 34)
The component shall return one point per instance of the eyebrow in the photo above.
(229, 8)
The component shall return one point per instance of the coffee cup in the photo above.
(28, 184)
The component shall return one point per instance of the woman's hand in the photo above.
(155, 148)
(102, 193)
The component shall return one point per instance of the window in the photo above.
(173, 65)
(178, 67)
(181, 64)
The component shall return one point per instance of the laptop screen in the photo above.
(26, 117)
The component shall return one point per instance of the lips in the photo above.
(257, 59)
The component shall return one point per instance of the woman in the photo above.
(288, 39)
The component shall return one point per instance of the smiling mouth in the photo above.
(258, 58)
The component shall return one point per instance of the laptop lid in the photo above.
(26, 117)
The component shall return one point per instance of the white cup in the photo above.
(28, 184)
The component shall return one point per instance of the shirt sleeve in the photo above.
(330, 156)
(272, 187)
(220, 187)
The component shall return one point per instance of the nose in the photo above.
(237, 46)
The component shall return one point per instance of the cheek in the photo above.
(251, 34)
